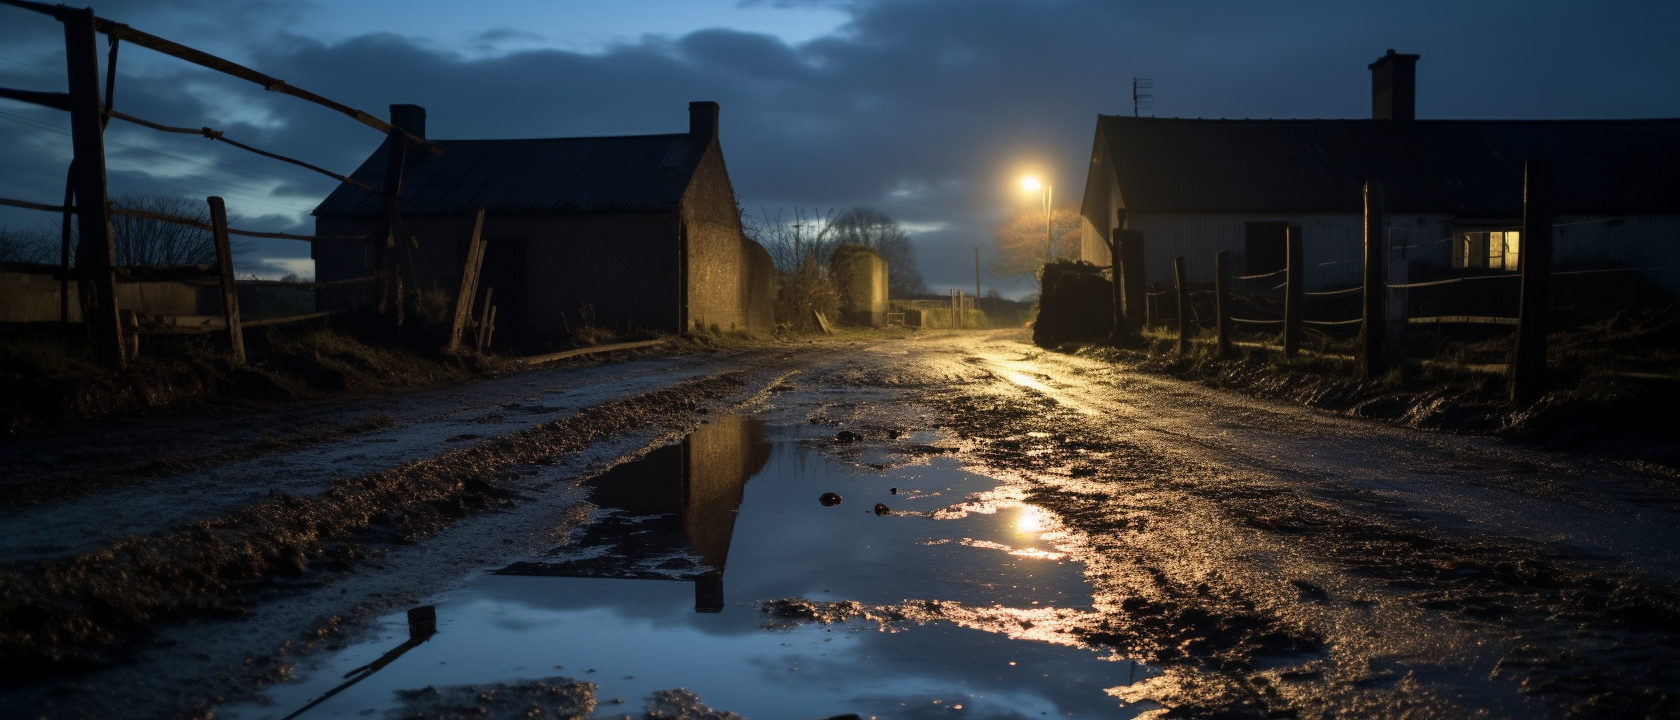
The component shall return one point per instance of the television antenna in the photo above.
(1143, 96)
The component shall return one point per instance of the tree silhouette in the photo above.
(877, 231)
(1021, 245)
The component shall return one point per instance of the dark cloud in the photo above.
(926, 109)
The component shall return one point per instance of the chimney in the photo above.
(702, 122)
(1394, 87)
(411, 118)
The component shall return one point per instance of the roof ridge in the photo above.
(572, 137)
(1421, 121)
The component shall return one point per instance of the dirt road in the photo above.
(1243, 558)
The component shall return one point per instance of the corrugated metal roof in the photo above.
(635, 173)
(1457, 166)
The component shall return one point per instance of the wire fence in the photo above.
(86, 199)
(1386, 304)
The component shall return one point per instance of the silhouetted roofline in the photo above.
(1452, 166)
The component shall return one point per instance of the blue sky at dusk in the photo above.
(927, 109)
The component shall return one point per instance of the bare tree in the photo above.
(793, 240)
(1022, 247)
(146, 242)
(878, 231)
(40, 245)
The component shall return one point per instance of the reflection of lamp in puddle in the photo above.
(1031, 520)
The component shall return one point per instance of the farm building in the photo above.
(628, 232)
(1453, 189)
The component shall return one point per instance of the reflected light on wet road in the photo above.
(664, 590)
(1030, 521)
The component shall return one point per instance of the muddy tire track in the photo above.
(84, 611)
(1273, 637)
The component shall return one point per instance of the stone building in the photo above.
(626, 232)
(860, 275)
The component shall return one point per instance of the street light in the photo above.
(1030, 183)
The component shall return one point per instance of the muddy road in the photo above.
(934, 526)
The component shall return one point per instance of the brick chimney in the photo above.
(1394, 87)
(411, 118)
(702, 122)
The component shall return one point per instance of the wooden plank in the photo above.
(398, 240)
(1461, 319)
(484, 319)
(64, 245)
(96, 251)
(469, 282)
(224, 264)
(56, 101)
(204, 324)
(551, 357)
(290, 318)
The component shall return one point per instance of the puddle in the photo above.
(664, 591)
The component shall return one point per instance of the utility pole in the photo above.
(1049, 240)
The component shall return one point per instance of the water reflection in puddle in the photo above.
(663, 592)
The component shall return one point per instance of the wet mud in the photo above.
(61, 615)
(955, 523)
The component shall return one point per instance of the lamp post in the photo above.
(1030, 183)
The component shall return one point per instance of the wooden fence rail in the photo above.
(86, 194)
(1527, 374)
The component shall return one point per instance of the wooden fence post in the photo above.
(1222, 300)
(1528, 372)
(1294, 290)
(402, 285)
(484, 319)
(1183, 306)
(1131, 252)
(469, 282)
(96, 249)
(1374, 322)
(1113, 241)
(64, 246)
(230, 294)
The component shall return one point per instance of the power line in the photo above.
(35, 67)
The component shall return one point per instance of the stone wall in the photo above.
(29, 295)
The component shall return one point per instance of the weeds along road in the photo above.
(1263, 560)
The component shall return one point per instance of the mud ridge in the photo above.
(27, 491)
(84, 611)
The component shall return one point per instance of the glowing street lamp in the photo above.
(1030, 183)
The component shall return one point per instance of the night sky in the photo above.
(928, 109)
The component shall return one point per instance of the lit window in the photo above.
(1494, 250)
